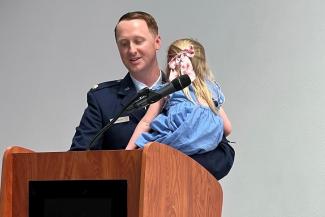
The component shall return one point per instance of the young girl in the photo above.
(191, 120)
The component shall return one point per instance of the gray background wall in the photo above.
(269, 57)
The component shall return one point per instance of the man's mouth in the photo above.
(134, 59)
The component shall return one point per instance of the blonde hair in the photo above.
(200, 67)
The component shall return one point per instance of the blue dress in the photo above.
(185, 125)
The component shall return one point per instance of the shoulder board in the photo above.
(105, 85)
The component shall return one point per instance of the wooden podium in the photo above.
(161, 181)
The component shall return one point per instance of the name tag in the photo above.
(121, 120)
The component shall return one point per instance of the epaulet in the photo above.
(105, 85)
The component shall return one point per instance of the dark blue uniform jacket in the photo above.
(106, 100)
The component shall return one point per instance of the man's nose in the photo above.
(132, 48)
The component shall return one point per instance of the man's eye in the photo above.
(139, 41)
(124, 44)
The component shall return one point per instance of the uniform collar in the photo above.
(128, 90)
(139, 85)
(128, 87)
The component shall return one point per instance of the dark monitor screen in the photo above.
(78, 198)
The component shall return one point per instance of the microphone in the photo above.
(144, 98)
(153, 96)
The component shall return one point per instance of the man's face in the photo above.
(137, 45)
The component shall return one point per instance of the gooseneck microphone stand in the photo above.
(143, 93)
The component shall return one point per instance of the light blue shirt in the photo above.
(139, 85)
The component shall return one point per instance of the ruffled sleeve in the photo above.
(217, 95)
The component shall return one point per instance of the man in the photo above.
(138, 40)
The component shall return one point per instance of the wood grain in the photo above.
(162, 182)
(83, 165)
(172, 184)
(6, 195)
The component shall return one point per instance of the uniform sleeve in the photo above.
(218, 161)
(89, 126)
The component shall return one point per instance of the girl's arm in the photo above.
(227, 128)
(144, 124)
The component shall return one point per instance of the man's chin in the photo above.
(135, 70)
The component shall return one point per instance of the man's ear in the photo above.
(157, 42)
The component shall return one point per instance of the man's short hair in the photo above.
(149, 19)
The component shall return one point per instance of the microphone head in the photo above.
(181, 82)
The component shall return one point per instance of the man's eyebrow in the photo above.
(139, 37)
(122, 39)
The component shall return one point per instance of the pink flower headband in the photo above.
(182, 60)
